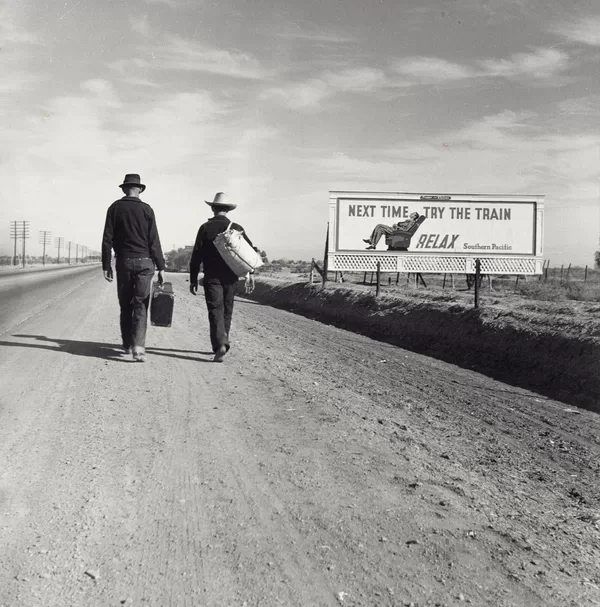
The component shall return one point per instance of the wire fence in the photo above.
(556, 283)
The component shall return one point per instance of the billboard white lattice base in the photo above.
(428, 264)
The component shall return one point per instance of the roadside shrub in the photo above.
(583, 292)
(543, 291)
(555, 291)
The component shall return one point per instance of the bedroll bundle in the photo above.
(236, 252)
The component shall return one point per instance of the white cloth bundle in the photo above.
(236, 252)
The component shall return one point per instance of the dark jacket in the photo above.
(130, 230)
(206, 254)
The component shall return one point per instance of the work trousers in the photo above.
(134, 282)
(219, 295)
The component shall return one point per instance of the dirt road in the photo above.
(313, 467)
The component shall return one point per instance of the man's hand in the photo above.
(249, 283)
(193, 287)
(161, 278)
(108, 274)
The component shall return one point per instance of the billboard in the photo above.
(437, 223)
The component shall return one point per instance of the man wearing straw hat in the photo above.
(130, 230)
(219, 280)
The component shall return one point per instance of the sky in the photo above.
(277, 102)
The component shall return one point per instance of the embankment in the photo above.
(541, 347)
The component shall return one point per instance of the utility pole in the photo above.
(69, 252)
(76, 253)
(45, 239)
(19, 230)
(58, 242)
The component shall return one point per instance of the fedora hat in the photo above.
(221, 201)
(133, 179)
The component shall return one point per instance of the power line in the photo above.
(46, 240)
(19, 230)
(59, 242)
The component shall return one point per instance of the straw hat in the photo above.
(221, 201)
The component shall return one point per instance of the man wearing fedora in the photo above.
(219, 280)
(130, 230)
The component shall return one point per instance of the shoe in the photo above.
(370, 248)
(220, 354)
(139, 354)
(367, 240)
(127, 350)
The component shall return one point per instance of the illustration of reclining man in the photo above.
(398, 236)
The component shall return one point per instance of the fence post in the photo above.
(568, 272)
(378, 279)
(312, 270)
(397, 277)
(585, 275)
(365, 279)
(444, 283)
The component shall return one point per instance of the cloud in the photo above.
(581, 106)
(312, 93)
(542, 63)
(177, 53)
(103, 91)
(431, 70)
(507, 153)
(141, 25)
(18, 47)
(307, 95)
(585, 30)
(170, 3)
(363, 79)
(179, 141)
(313, 35)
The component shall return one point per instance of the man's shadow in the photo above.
(96, 349)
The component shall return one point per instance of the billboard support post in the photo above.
(325, 257)
(378, 279)
(477, 280)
